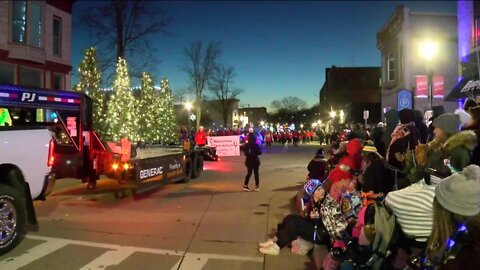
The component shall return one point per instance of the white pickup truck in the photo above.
(25, 174)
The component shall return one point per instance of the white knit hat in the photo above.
(460, 193)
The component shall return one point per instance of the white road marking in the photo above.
(109, 258)
(199, 260)
(115, 255)
(34, 254)
(110, 246)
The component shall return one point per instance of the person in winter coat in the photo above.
(421, 126)
(252, 150)
(377, 138)
(322, 221)
(317, 167)
(376, 177)
(454, 242)
(404, 138)
(391, 121)
(200, 137)
(436, 112)
(449, 145)
(340, 176)
(474, 125)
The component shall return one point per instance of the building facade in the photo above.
(351, 90)
(468, 14)
(35, 43)
(404, 67)
(253, 115)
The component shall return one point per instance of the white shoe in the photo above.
(270, 250)
(267, 243)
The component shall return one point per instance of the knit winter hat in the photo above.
(449, 123)
(311, 186)
(460, 193)
(319, 153)
(406, 116)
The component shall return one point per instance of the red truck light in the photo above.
(126, 166)
(115, 166)
(51, 157)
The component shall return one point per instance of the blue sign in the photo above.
(404, 99)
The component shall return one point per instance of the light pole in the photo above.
(188, 107)
(428, 51)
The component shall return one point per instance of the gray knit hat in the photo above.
(460, 193)
(449, 123)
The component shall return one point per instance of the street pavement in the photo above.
(208, 223)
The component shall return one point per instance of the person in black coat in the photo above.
(252, 150)
(376, 176)
(317, 167)
(421, 126)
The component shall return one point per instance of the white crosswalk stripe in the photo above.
(114, 255)
(34, 254)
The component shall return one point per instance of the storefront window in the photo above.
(7, 73)
(30, 77)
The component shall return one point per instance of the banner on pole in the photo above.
(422, 86)
(438, 86)
(226, 145)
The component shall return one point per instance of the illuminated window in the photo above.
(35, 25)
(27, 23)
(19, 21)
(390, 67)
(57, 36)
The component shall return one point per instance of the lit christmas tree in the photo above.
(122, 106)
(148, 119)
(89, 83)
(168, 131)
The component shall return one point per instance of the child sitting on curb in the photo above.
(322, 222)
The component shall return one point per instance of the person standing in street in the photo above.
(252, 150)
(200, 137)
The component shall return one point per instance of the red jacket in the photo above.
(201, 138)
(352, 160)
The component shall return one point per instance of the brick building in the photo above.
(35, 43)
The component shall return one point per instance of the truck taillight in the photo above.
(51, 157)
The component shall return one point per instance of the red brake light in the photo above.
(51, 157)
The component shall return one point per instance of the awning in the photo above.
(456, 92)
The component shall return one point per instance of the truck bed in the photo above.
(156, 152)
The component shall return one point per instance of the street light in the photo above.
(188, 107)
(333, 114)
(428, 50)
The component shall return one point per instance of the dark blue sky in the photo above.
(278, 48)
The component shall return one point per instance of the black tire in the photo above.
(188, 171)
(198, 168)
(12, 214)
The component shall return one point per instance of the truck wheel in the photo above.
(12, 219)
(198, 168)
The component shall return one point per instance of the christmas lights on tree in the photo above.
(89, 83)
(122, 107)
(168, 130)
(148, 120)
